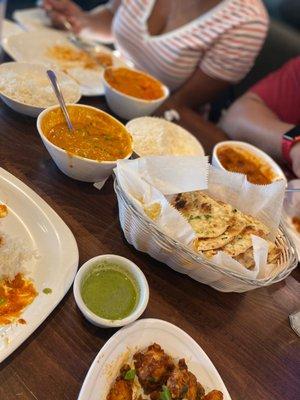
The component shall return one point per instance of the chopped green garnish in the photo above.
(2, 301)
(129, 375)
(47, 290)
(165, 394)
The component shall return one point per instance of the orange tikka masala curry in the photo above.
(97, 136)
(15, 295)
(134, 83)
(236, 159)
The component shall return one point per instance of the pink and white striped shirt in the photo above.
(223, 42)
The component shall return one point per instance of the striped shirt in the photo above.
(223, 42)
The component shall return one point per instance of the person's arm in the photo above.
(97, 23)
(249, 119)
(198, 90)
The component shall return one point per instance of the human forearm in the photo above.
(250, 120)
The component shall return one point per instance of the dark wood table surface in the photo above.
(247, 336)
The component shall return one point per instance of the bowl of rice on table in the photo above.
(26, 89)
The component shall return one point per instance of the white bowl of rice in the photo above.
(26, 89)
(153, 136)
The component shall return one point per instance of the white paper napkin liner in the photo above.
(142, 194)
(263, 202)
(171, 174)
(137, 177)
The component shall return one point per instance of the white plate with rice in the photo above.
(39, 244)
(53, 49)
(26, 88)
(154, 136)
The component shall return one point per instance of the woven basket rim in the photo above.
(200, 259)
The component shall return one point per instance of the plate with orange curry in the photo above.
(38, 261)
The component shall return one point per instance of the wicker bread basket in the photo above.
(145, 236)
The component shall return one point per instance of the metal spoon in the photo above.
(60, 98)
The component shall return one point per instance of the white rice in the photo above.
(14, 257)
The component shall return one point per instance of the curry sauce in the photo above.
(236, 159)
(15, 295)
(134, 83)
(97, 136)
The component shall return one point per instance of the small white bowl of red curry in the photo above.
(131, 93)
(244, 158)
(90, 152)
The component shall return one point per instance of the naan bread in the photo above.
(220, 227)
(243, 241)
(208, 218)
(247, 258)
(239, 222)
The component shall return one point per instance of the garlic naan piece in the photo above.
(239, 222)
(208, 218)
(242, 242)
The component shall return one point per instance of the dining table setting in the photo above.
(138, 259)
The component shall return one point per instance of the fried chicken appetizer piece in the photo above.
(182, 384)
(214, 395)
(153, 368)
(122, 388)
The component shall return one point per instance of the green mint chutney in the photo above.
(109, 291)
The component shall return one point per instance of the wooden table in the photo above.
(247, 336)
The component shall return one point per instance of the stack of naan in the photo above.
(221, 227)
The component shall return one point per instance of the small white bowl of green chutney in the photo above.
(111, 291)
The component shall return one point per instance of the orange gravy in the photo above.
(134, 83)
(237, 159)
(97, 136)
(15, 295)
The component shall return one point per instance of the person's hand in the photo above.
(295, 156)
(64, 13)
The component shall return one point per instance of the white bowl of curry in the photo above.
(247, 159)
(131, 93)
(88, 154)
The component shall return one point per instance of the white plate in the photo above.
(32, 18)
(36, 18)
(31, 219)
(9, 29)
(29, 46)
(137, 336)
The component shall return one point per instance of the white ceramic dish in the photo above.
(32, 18)
(76, 167)
(33, 45)
(138, 336)
(36, 18)
(125, 265)
(37, 75)
(9, 28)
(31, 219)
(216, 162)
(129, 107)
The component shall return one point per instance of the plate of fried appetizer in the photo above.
(152, 359)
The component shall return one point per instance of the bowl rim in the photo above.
(165, 88)
(259, 152)
(96, 162)
(37, 108)
(133, 269)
